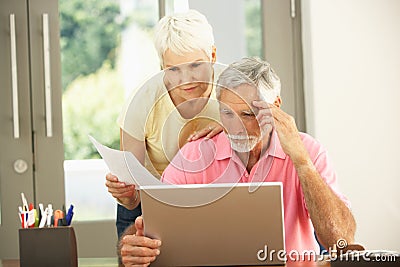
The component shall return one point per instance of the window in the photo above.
(107, 51)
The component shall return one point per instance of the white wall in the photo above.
(352, 87)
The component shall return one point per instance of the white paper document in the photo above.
(125, 166)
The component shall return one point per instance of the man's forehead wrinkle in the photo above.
(235, 102)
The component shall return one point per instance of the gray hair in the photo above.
(251, 71)
(183, 33)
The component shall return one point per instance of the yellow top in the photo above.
(151, 116)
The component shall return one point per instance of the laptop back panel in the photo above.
(230, 230)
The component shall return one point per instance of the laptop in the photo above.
(215, 224)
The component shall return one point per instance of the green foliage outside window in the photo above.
(89, 33)
(93, 94)
(91, 106)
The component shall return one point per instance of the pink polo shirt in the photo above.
(213, 161)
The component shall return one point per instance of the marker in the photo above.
(35, 214)
(58, 215)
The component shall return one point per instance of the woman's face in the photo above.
(188, 75)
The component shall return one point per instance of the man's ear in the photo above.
(213, 54)
(278, 102)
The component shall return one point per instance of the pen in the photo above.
(49, 214)
(24, 202)
(44, 218)
(31, 218)
(23, 216)
(64, 219)
(70, 214)
(41, 211)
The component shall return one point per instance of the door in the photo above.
(16, 161)
(31, 133)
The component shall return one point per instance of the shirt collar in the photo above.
(225, 151)
(223, 146)
(275, 149)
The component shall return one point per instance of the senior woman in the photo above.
(176, 106)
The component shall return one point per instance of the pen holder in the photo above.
(53, 246)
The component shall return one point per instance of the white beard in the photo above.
(243, 143)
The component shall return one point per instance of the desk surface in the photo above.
(113, 262)
(82, 262)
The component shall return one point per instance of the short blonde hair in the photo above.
(183, 33)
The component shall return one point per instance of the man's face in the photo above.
(238, 117)
(188, 75)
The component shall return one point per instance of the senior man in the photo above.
(260, 142)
